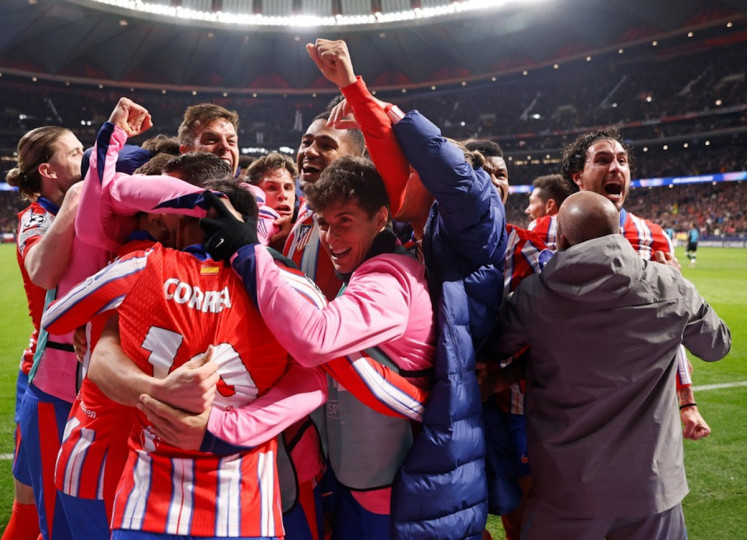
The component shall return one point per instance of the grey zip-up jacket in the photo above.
(603, 428)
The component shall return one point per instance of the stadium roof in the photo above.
(87, 41)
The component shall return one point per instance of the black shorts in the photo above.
(692, 246)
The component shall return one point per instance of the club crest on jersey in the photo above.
(302, 237)
(195, 298)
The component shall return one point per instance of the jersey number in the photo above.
(235, 380)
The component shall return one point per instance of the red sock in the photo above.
(23, 524)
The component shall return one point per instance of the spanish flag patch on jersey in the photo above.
(209, 269)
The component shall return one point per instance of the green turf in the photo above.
(717, 468)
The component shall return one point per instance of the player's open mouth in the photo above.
(613, 188)
(284, 210)
(339, 254)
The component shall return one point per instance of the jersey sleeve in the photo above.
(32, 225)
(376, 385)
(526, 254)
(381, 141)
(266, 217)
(373, 310)
(545, 228)
(101, 292)
(706, 335)
(684, 377)
(297, 393)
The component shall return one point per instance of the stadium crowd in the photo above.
(717, 209)
(353, 363)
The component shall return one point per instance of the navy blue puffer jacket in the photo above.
(441, 489)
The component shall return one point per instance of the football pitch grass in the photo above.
(716, 507)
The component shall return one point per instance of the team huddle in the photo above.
(383, 357)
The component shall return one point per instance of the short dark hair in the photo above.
(552, 186)
(574, 155)
(161, 144)
(349, 178)
(241, 199)
(271, 162)
(200, 115)
(198, 167)
(486, 147)
(154, 165)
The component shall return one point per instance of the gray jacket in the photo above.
(603, 428)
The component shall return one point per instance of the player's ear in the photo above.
(381, 218)
(551, 207)
(46, 170)
(576, 177)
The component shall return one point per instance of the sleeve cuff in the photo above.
(394, 113)
(214, 444)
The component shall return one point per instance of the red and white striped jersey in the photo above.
(94, 446)
(305, 250)
(645, 236)
(179, 306)
(33, 222)
(173, 306)
(94, 450)
(526, 254)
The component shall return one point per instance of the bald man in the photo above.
(603, 431)
(587, 216)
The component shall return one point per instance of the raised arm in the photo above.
(468, 205)
(110, 199)
(333, 60)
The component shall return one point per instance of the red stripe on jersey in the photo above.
(304, 249)
(49, 437)
(546, 227)
(645, 236)
(173, 313)
(33, 223)
(522, 256)
(94, 449)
